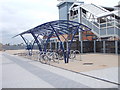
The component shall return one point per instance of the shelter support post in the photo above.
(104, 48)
(50, 45)
(24, 40)
(36, 40)
(56, 45)
(81, 44)
(69, 44)
(29, 47)
(94, 46)
(116, 47)
(45, 46)
(64, 54)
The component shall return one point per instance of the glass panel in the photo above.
(118, 47)
(99, 46)
(110, 46)
(88, 46)
(110, 24)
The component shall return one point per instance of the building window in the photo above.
(76, 12)
(71, 13)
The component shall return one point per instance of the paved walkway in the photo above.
(18, 72)
(109, 74)
(0, 71)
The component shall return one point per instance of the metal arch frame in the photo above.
(45, 46)
(69, 44)
(55, 28)
(36, 40)
(63, 50)
(29, 45)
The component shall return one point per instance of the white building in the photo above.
(104, 21)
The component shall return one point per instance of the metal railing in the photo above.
(98, 28)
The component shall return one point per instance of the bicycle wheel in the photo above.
(78, 55)
(72, 54)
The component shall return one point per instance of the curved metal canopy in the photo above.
(55, 28)
(60, 26)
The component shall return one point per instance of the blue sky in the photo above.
(20, 15)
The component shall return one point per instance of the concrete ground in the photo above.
(98, 61)
(18, 72)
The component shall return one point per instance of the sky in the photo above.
(17, 16)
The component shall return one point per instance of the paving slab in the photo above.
(110, 74)
(14, 76)
(21, 72)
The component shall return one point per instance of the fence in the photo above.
(12, 47)
(82, 46)
(91, 46)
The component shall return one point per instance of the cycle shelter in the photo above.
(55, 29)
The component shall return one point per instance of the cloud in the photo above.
(21, 15)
